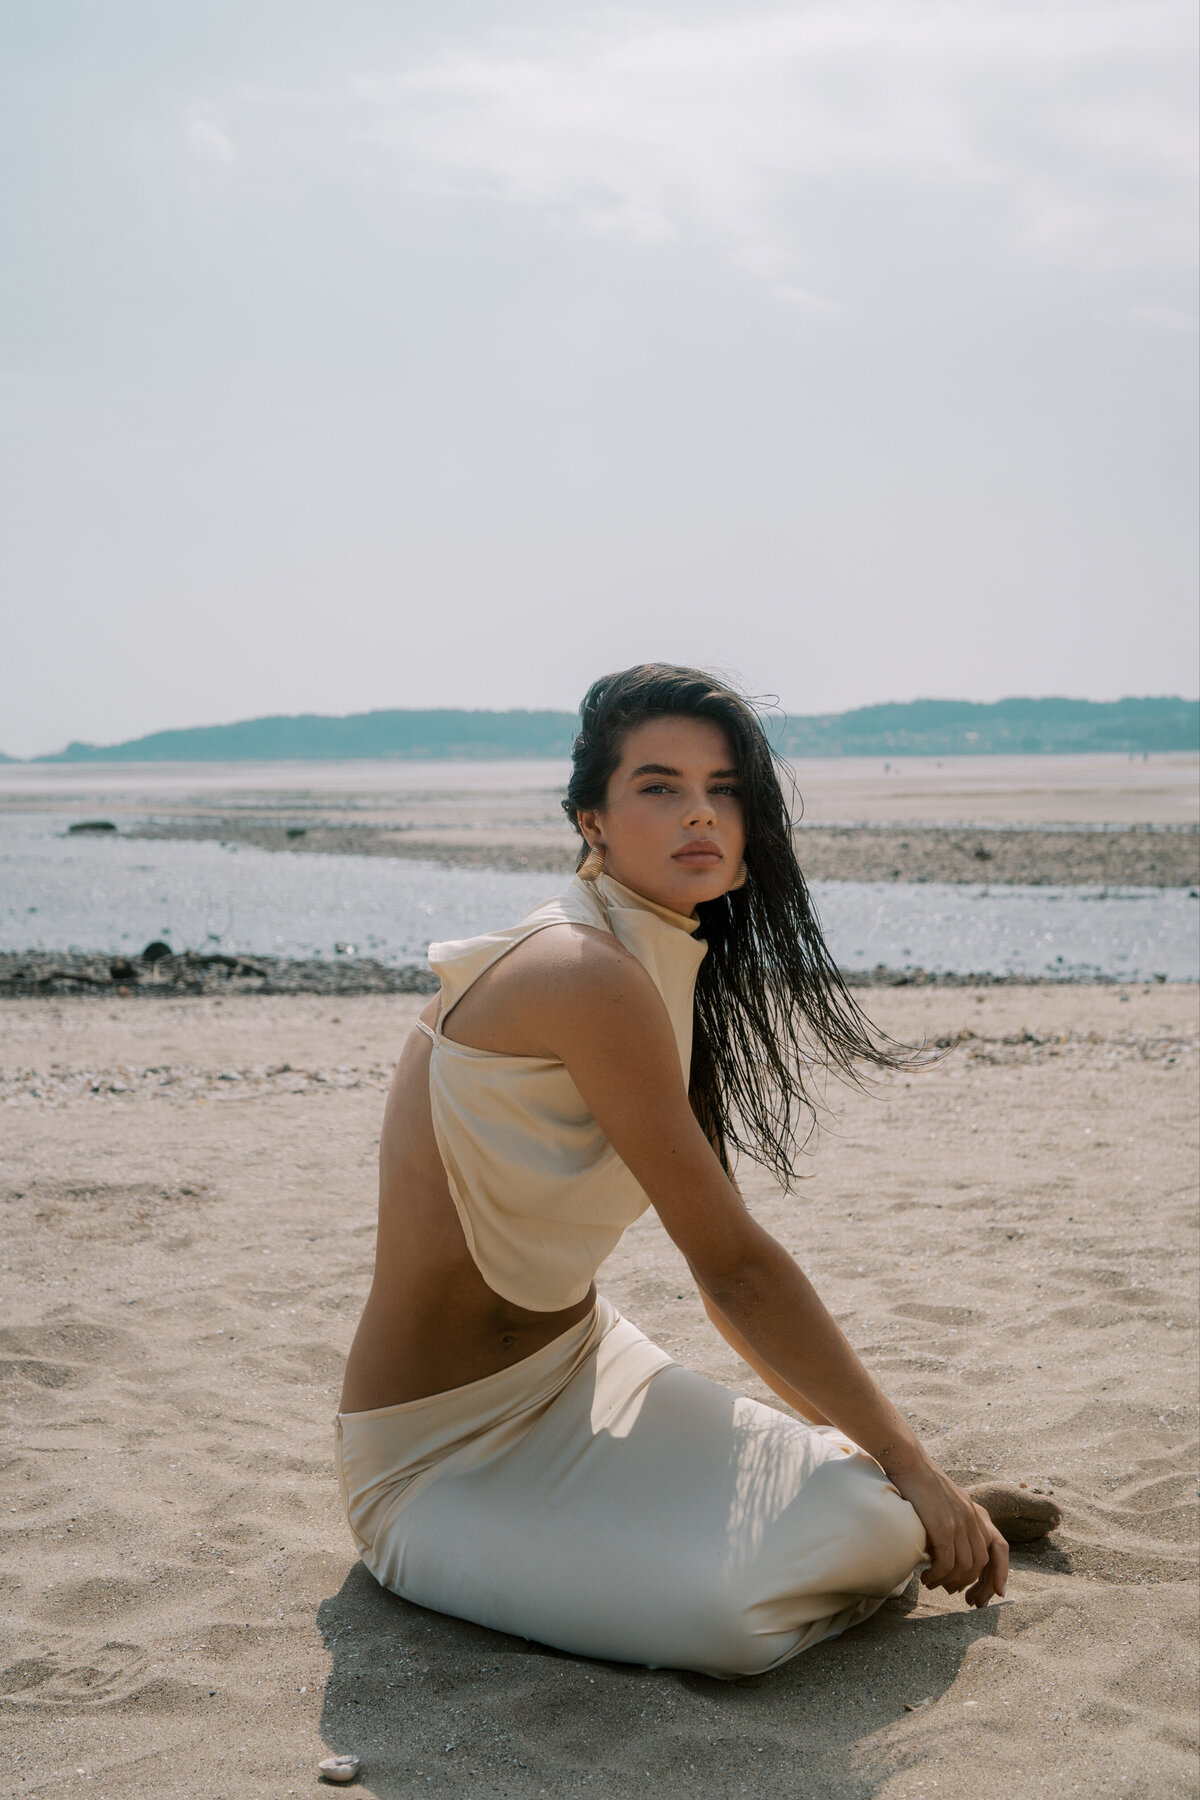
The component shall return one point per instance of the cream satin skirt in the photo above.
(601, 1498)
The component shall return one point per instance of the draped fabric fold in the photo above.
(601, 1498)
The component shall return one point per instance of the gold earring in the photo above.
(592, 864)
(740, 879)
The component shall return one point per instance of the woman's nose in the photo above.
(701, 810)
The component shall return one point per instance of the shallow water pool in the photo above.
(115, 894)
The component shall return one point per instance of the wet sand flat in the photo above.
(503, 798)
(1108, 820)
(188, 1195)
(1109, 856)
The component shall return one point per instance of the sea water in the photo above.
(114, 894)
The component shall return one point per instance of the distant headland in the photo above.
(912, 728)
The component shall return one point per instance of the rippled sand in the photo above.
(188, 1195)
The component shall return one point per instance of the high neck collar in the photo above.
(617, 894)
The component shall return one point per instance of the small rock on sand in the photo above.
(340, 1769)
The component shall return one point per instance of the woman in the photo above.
(510, 1449)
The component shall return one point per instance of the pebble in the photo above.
(339, 1768)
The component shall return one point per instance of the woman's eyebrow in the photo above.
(662, 769)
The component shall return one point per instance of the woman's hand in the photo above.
(962, 1543)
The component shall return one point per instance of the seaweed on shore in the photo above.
(44, 972)
(35, 973)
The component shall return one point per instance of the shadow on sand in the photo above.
(433, 1705)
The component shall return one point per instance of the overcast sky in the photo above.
(360, 356)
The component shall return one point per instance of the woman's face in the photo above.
(671, 824)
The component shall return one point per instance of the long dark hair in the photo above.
(770, 1003)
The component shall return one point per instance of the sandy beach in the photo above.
(188, 1194)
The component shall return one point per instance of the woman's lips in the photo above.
(701, 855)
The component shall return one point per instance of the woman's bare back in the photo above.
(431, 1322)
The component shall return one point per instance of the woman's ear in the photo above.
(589, 824)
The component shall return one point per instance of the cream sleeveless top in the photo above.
(542, 1195)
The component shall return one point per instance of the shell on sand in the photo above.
(340, 1768)
(1018, 1514)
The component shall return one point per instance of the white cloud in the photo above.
(1050, 133)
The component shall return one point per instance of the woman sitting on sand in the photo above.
(511, 1450)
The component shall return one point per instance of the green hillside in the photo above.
(313, 737)
(915, 728)
(969, 728)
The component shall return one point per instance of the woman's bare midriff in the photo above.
(431, 1322)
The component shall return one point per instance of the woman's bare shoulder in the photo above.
(568, 962)
(581, 982)
(558, 982)
(568, 943)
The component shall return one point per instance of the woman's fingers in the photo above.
(961, 1550)
(979, 1531)
(994, 1577)
(940, 1548)
(964, 1547)
(950, 1568)
(981, 1556)
(982, 1591)
(986, 1573)
(997, 1551)
(964, 1560)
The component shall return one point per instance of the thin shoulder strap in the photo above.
(430, 1033)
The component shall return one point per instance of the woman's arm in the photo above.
(770, 1377)
(798, 1401)
(603, 1016)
